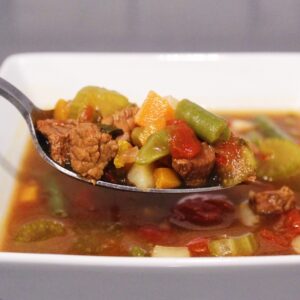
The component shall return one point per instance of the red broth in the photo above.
(89, 224)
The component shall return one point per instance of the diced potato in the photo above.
(29, 193)
(141, 176)
(61, 110)
(247, 216)
(166, 178)
(162, 251)
(296, 244)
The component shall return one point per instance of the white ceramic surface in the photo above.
(239, 81)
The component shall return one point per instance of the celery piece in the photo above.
(235, 162)
(156, 147)
(206, 125)
(102, 100)
(243, 245)
(280, 159)
(138, 251)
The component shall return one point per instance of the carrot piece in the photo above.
(165, 178)
(61, 110)
(29, 193)
(154, 114)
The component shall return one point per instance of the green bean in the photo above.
(207, 126)
(270, 129)
(156, 147)
(57, 201)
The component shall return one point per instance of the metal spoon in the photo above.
(31, 114)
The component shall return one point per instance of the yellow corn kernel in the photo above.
(29, 193)
(118, 160)
(61, 110)
(165, 178)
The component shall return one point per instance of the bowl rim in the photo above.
(148, 262)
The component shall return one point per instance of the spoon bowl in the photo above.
(31, 114)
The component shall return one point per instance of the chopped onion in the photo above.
(141, 176)
(296, 244)
(247, 216)
(162, 251)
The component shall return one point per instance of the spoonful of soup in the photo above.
(164, 146)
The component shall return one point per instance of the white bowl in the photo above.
(219, 81)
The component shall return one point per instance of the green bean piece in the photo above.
(270, 129)
(39, 230)
(156, 147)
(207, 126)
(57, 200)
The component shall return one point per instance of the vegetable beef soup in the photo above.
(164, 144)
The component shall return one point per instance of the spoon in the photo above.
(31, 114)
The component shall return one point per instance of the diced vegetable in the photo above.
(29, 192)
(207, 126)
(243, 245)
(235, 162)
(270, 129)
(136, 136)
(138, 251)
(165, 178)
(162, 251)
(61, 110)
(247, 216)
(279, 159)
(155, 111)
(104, 101)
(57, 200)
(296, 244)
(126, 154)
(141, 176)
(242, 126)
(156, 147)
(198, 246)
(39, 230)
(87, 114)
(183, 142)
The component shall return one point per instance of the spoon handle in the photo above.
(17, 98)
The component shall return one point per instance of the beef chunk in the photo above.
(90, 150)
(272, 202)
(195, 171)
(123, 119)
(82, 144)
(57, 133)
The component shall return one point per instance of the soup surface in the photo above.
(51, 213)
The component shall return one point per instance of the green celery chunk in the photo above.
(270, 129)
(280, 159)
(206, 125)
(243, 245)
(156, 147)
(39, 230)
(235, 162)
(102, 100)
(138, 251)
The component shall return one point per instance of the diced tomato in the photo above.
(153, 234)
(227, 151)
(87, 115)
(183, 141)
(278, 239)
(198, 246)
(285, 230)
(292, 220)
